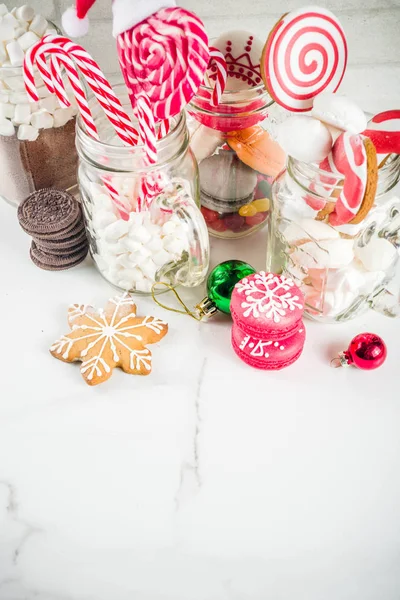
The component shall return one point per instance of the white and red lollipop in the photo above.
(305, 54)
(384, 132)
(164, 57)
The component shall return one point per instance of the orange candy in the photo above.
(256, 149)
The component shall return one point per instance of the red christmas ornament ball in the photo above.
(366, 351)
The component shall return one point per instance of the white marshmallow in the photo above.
(3, 10)
(22, 114)
(4, 97)
(20, 31)
(339, 112)
(125, 284)
(27, 132)
(42, 120)
(378, 255)
(42, 91)
(51, 31)
(50, 103)
(7, 111)
(38, 25)
(144, 286)
(6, 127)
(304, 138)
(18, 98)
(140, 234)
(62, 116)
(3, 54)
(168, 227)
(154, 244)
(15, 53)
(102, 218)
(173, 245)
(149, 268)
(6, 31)
(27, 40)
(15, 83)
(132, 274)
(10, 20)
(132, 245)
(25, 13)
(116, 230)
(161, 257)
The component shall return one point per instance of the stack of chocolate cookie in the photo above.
(54, 220)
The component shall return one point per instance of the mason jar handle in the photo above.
(192, 269)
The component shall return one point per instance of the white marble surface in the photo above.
(207, 480)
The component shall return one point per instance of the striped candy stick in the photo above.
(80, 96)
(217, 60)
(101, 89)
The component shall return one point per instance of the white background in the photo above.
(207, 480)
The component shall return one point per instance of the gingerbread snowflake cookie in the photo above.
(107, 338)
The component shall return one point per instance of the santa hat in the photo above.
(126, 14)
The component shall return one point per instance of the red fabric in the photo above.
(83, 7)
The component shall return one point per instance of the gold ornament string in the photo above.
(171, 288)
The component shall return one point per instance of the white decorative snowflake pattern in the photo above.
(269, 295)
(105, 339)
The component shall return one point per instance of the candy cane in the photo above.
(218, 63)
(101, 89)
(163, 129)
(56, 79)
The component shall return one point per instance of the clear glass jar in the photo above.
(237, 159)
(166, 241)
(341, 270)
(37, 140)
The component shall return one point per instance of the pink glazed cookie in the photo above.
(265, 353)
(267, 306)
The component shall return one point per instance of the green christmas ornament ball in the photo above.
(222, 280)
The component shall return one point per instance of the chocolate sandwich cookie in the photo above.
(61, 251)
(48, 212)
(50, 262)
(61, 243)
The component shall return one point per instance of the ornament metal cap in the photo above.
(206, 308)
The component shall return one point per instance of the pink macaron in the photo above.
(267, 306)
(266, 353)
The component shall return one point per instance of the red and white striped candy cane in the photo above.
(163, 129)
(147, 128)
(101, 89)
(55, 76)
(73, 76)
(218, 62)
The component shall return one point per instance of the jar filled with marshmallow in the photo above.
(342, 269)
(238, 158)
(37, 140)
(143, 223)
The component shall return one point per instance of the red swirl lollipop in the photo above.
(305, 54)
(165, 57)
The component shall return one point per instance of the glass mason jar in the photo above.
(237, 158)
(37, 140)
(134, 247)
(342, 270)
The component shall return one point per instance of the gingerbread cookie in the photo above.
(372, 183)
(104, 339)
